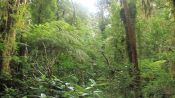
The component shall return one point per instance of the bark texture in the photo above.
(8, 25)
(132, 51)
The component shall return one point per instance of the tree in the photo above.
(10, 20)
(128, 19)
(43, 10)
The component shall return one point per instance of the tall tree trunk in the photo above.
(74, 13)
(132, 52)
(8, 33)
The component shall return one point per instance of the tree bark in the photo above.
(132, 52)
(8, 33)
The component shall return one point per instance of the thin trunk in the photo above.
(74, 13)
(106, 59)
(22, 53)
(132, 52)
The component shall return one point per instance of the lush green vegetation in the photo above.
(57, 49)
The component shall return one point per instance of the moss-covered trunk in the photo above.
(8, 33)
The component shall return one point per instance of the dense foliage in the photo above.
(57, 49)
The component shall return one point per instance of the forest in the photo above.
(87, 48)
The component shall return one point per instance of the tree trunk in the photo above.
(74, 13)
(8, 33)
(132, 52)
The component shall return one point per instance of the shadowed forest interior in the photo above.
(87, 48)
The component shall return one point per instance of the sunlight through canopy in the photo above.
(89, 4)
